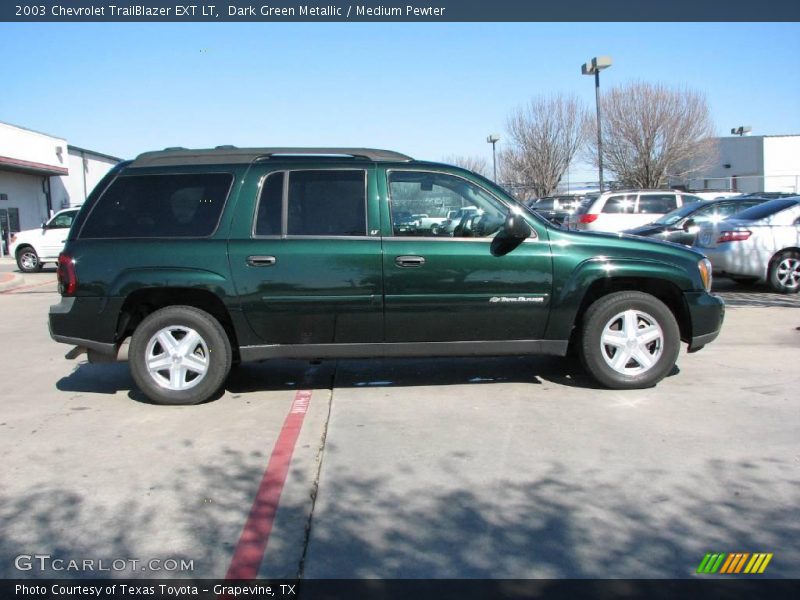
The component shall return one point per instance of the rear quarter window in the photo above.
(155, 206)
(657, 203)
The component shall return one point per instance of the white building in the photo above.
(757, 163)
(40, 174)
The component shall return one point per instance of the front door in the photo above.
(442, 282)
(307, 261)
(55, 232)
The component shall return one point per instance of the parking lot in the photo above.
(468, 468)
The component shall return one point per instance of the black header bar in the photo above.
(276, 11)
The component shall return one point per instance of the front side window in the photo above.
(62, 221)
(327, 203)
(151, 206)
(454, 206)
(657, 203)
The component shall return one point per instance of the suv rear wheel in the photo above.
(179, 355)
(28, 260)
(630, 340)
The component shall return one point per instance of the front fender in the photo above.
(569, 292)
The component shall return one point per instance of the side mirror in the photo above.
(516, 227)
(44, 224)
(513, 232)
(688, 224)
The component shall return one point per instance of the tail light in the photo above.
(588, 218)
(734, 236)
(67, 280)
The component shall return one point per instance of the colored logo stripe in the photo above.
(710, 563)
(734, 562)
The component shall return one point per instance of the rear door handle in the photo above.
(409, 261)
(261, 261)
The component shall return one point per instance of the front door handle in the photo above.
(409, 261)
(261, 261)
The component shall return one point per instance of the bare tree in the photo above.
(652, 132)
(544, 137)
(478, 164)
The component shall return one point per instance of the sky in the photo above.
(428, 90)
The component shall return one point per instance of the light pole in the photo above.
(593, 67)
(492, 139)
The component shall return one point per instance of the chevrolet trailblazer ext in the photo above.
(205, 258)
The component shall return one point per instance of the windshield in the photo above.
(762, 211)
(676, 215)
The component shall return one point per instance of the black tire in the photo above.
(784, 272)
(663, 351)
(28, 260)
(180, 319)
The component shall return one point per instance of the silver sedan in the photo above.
(761, 244)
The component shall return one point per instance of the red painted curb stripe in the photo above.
(252, 544)
(27, 287)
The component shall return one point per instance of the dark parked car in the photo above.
(556, 208)
(682, 224)
(204, 258)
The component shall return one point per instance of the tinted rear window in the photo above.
(657, 203)
(762, 211)
(151, 206)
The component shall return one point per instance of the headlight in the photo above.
(705, 273)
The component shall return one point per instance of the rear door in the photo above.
(448, 286)
(305, 254)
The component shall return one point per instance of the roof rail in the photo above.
(232, 154)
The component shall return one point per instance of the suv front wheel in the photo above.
(28, 260)
(630, 340)
(179, 355)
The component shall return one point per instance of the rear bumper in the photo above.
(83, 322)
(706, 312)
(745, 262)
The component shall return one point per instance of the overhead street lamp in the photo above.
(593, 67)
(493, 139)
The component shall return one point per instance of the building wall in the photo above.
(29, 159)
(26, 194)
(782, 163)
(756, 164)
(27, 146)
(86, 169)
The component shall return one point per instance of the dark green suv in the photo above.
(204, 258)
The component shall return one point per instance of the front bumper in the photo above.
(706, 314)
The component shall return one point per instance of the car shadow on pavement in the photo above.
(412, 372)
(277, 375)
(554, 521)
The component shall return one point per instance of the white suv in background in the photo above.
(626, 209)
(34, 247)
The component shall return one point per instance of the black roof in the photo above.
(231, 154)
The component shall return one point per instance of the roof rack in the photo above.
(232, 154)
